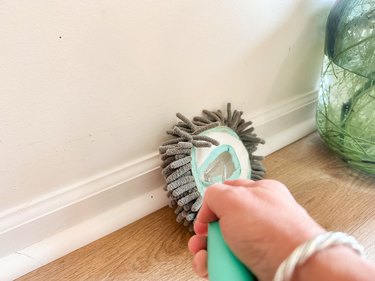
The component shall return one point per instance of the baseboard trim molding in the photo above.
(77, 215)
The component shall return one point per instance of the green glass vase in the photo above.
(346, 106)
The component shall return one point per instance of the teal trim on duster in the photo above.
(199, 171)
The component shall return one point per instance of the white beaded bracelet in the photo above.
(306, 250)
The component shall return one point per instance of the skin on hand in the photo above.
(260, 221)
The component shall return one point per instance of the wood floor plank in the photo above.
(154, 248)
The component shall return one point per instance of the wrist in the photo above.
(296, 239)
(329, 264)
(334, 263)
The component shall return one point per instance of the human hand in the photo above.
(260, 221)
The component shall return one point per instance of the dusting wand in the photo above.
(210, 149)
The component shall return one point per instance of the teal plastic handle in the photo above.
(223, 265)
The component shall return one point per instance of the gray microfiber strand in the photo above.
(188, 198)
(164, 157)
(186, 130)
(180, 217)
(244, 126)
(201, 143)
(212, 116)
(206, 139)
(190, 217)
(185, 144)
(175, 153)
(180, 162)
(207, 127)
(173, 141)
(172, 203)
(167, 171)
(197, 204)
(186, 121)
(182, 125)
(178, 173)
(186, 222)
(178, 210)
(179, 156)
(252, 139)
(245, 132)
(199, 123)
(182, 189)
(257, 158)
(179, 182)
(163, 149)
(202, 120)
(229, 112)
(168, 161)
(177, 131)
(187, 207)
(257, 166)
(235, 120)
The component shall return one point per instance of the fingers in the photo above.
(206, 214)
(197, 243)
(216, 199)
(210, 210)
(200, 263)
(200, 228)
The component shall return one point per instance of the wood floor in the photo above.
(154, 248)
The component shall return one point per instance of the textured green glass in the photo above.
(346, 107)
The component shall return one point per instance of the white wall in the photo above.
(89, 87)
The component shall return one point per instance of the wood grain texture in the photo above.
(154, 248)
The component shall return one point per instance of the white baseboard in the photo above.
(41, 231)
